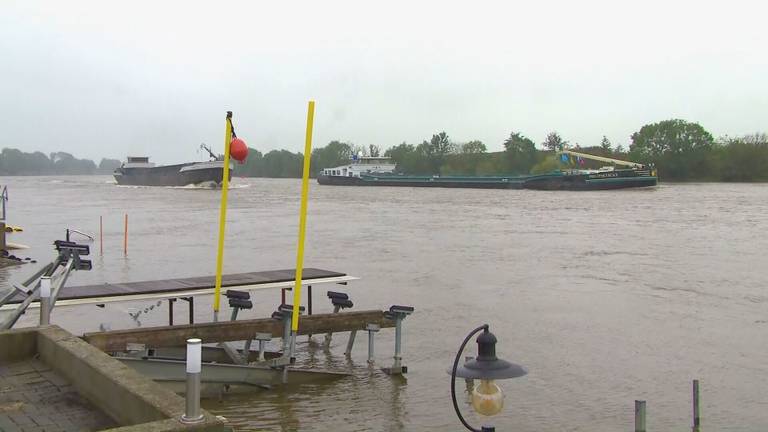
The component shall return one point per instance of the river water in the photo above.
(606, 297)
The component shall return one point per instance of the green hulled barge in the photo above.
(378, 171)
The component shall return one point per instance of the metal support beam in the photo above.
(350, 343)
(329, 335)
(639, 416)
(696, 412)
(372, 329)
(171, 301)
(398, 314)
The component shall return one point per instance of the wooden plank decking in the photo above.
(226, 331)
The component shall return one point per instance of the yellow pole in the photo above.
(302, 218)
(222, 216)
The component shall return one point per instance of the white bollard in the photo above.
(194, 370)
(45, 300)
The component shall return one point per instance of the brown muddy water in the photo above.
(606, 297)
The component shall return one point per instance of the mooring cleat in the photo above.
(337, 295)
(239, 303)
(245, 295)
(339, 300)
(342, 303)
(407, 310)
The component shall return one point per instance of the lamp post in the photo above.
(487, 398)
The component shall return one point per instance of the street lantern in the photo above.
(487, 397)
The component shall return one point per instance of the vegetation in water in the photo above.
(681, 150)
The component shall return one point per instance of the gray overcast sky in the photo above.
(107, 79)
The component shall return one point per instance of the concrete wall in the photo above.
(120, 392)
(17, 345)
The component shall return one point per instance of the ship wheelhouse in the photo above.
(362, 165)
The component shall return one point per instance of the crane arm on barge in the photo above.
(602, 159)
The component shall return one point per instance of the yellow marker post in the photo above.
(222, 216)
(302, 218)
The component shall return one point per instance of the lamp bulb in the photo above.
(487, 398)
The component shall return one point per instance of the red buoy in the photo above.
(238, 150)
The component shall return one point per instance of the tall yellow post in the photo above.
(222, 216)
(302, 218)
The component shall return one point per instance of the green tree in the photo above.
(680, 149)
(283, 164)
(404, 157)
(374, 150)
(554, 142)
(669, 137)
(520, 153)
(108, 165)
(549, 164)
(473, 147)
(253, 165)
(332, 155)
(435, 150)
(606, 146)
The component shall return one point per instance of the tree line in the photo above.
(16, 162)
(680, 150)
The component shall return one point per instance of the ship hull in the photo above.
(619, 179)
(408, 181)
(195, 173)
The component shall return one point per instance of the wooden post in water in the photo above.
(696, 412)
(2, 235)
(101, 235)
(639, 416)
(125, 236)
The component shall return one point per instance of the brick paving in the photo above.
(33, 398)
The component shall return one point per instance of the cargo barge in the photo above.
(139, 171)
(380, 171)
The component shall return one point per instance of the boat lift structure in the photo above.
(228, 366)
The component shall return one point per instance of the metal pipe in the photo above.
(639, 416)
(171, 301)
(261, 349)
(370, 346)
(14, 316)
(101, 235)
(247, 350)
(350, 343)
(12, 292)
(329, 335)
(286, 334)
(45, 300)
(192, 412)
(372, 328)
(60, 281)
(696, 412)
(398, 338)
(125, 236)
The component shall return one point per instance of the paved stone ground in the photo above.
(35, 399)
